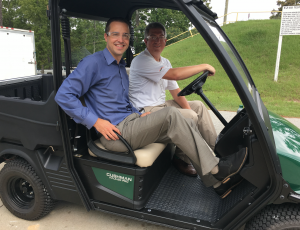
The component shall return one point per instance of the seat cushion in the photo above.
(144, 156)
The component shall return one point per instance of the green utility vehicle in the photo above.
(48, 157)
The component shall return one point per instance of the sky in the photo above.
(218, 6)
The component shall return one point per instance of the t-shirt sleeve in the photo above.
(172, 84)
(146, 66)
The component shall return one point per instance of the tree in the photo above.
(12, 14)
(87, 37)
(36, 19)
(281, 4)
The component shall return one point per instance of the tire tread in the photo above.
(284, 216)
(47, 203)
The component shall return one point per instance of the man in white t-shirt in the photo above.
(151, 74)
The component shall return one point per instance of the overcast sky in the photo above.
(218, 6)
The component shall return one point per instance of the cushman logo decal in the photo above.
(118, 178)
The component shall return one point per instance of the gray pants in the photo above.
(200, 115)
(167, 126)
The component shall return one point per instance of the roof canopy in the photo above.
(104, 9)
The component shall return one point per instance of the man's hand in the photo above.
(145, 114)
(107, 129)
(211, 70)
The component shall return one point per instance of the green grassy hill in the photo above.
(257, 43)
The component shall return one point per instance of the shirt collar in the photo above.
(110, 59)
(148, 53)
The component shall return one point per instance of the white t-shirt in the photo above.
(146, 86)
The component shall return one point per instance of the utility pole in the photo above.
(137, 21)
(1, 17)
(225, 12)
(94, 36)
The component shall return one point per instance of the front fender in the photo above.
(31, 157)
(287, 140)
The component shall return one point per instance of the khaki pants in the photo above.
(200, 115)
(167, 126)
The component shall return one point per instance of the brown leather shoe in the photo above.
(184, 168)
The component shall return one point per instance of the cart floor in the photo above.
(187, 196)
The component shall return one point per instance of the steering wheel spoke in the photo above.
(195, 85)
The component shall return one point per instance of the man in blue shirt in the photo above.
(102, 80)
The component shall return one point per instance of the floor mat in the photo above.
(187, 196)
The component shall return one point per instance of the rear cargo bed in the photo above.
(28, 112)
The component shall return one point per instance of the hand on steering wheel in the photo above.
(195, 85)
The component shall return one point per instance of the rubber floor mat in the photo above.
(187, 196)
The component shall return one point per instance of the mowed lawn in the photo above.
(256, 42)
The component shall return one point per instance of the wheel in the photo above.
(194, 85)
(22, 191)
(279, 217)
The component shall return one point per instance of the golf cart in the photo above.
(48, 157)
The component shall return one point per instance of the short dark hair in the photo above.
(115, 20)
(155, 25)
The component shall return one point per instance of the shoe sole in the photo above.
(226, 179)
(225, 194)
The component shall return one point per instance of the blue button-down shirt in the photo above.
(104, 84)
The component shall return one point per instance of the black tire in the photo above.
(22, 191)
(279, 217)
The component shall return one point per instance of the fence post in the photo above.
(237, 16)
(191, 33)
(278, 58)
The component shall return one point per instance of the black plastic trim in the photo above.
(127, 158)
(155, 217)
(28, 120)
(112, 156)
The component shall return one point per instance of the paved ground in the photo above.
(70, 216)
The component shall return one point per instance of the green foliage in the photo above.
(174, 21)
(36, 19)
(12, 14)
(87, 37)
(258, 48)
(282, 4)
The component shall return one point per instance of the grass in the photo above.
(257, 43)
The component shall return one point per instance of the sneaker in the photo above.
(231, 165)
(225, 189)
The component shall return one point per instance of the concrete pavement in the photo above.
(75, 217)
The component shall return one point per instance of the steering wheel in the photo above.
(195, 85)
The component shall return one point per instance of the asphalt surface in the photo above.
(75, 217)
